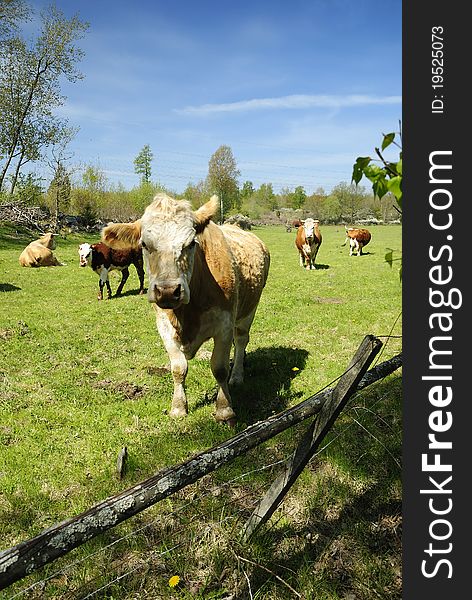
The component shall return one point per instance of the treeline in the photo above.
(91, 197)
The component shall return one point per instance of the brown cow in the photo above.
(308, 242)
(358, 239)
(205, 281)
(39, 253)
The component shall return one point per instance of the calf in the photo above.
(308, 242)
(358, 238)
(39, 253)
(104, 259)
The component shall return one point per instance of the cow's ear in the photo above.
(122, 235)
(205, 213)
(302, 221)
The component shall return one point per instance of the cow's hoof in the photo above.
(176, 413)
(226, 415)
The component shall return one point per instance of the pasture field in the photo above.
(80, 379)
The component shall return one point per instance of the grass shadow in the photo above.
(267, 384)
(134, 292)
(8, 287)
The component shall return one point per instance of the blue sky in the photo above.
(298, 89)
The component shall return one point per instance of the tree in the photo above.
(350, 199)
(30, 78)
(266, 197)
(246, 191)
(11, 12)
(142, 164)
(89, 198)
(223, 178)
(298, 197)
(59, 192)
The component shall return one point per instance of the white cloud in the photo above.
(299, 101)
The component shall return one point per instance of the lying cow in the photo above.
(104, 259)
(308, 242)
(358, 238)
(205, 281)
(39, 253)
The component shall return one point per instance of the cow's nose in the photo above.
(167, 296)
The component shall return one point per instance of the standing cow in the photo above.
(103, 259)
(358, 238)
(205, 281)
(308, 242)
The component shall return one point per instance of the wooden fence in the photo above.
(325, 407)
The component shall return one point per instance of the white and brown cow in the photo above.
(308, 242)
(40, 253)
(358, 238)
(104, 259)
(205, 281)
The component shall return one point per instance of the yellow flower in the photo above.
(174, 581)
(295, 369)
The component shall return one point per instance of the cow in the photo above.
(103, 259)
(358, 238)
(39, 253)
(205, 281)
(308, 242)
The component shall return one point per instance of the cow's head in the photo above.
(167, 234)
(48, 240)
(85, 251)
(309, 227)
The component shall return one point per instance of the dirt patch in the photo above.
(129, 391)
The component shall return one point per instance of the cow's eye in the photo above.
(143, 245)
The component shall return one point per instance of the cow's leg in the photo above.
(359, 251)
(178, 366)
(220, 369)
(140, 270)
(124, 277)
(302, 262)
(351, 247)
(241, 340)
(314, 252)
(104, 282)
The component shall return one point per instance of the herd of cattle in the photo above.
(205, 281)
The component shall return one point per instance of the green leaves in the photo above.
(386, 177)
(359, 166)
(388, 139)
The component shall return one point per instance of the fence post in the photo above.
(310, 441)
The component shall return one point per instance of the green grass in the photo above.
(79, 379)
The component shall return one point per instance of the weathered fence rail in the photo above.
(58, 540)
